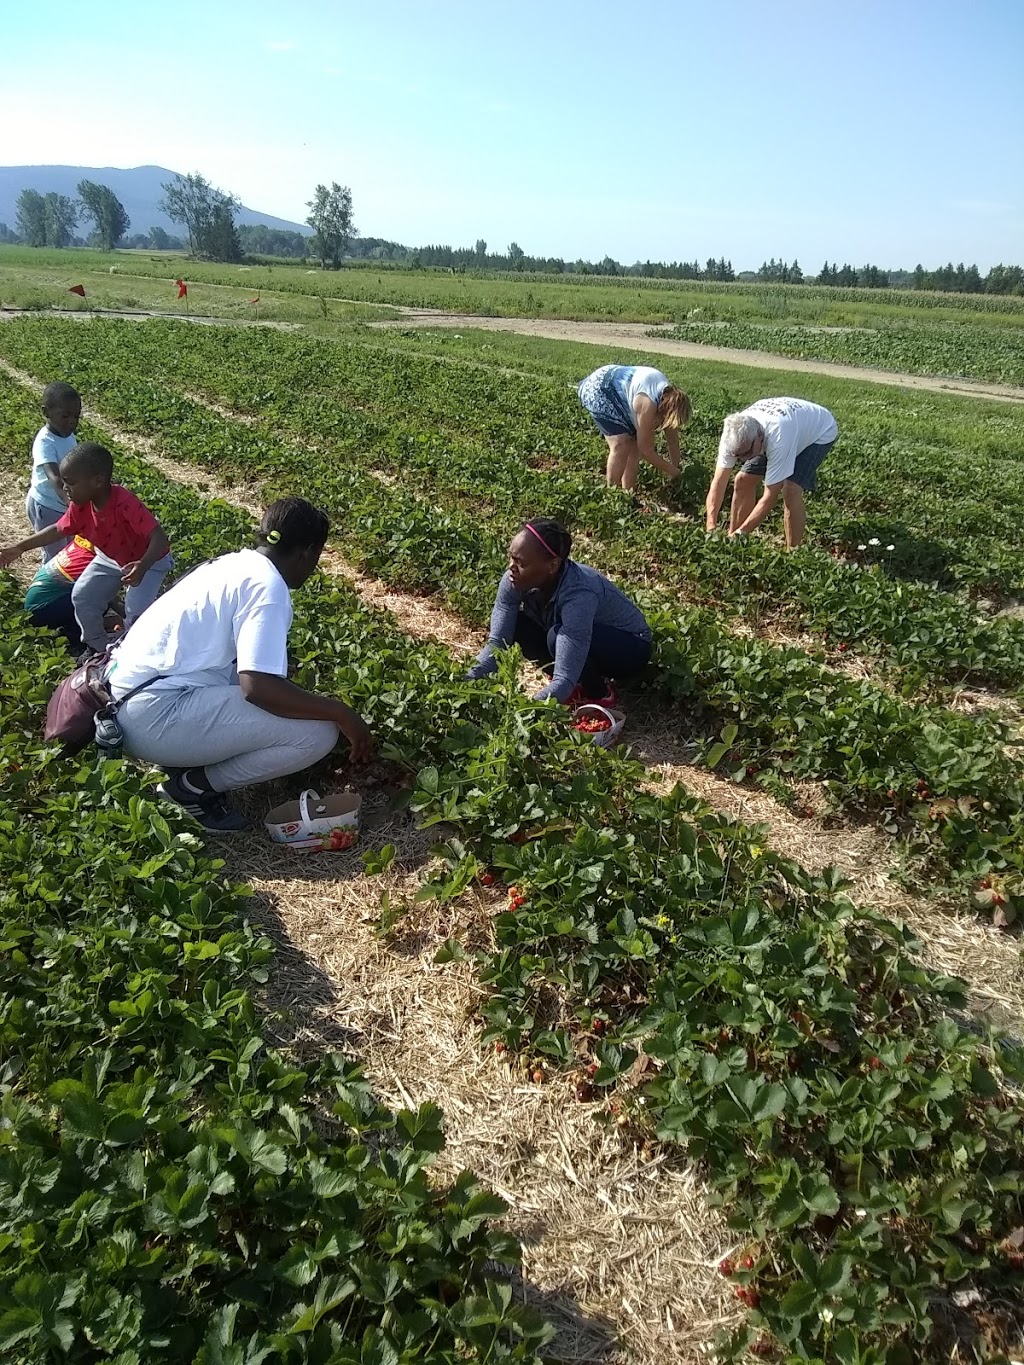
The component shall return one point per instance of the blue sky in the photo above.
(884, 130)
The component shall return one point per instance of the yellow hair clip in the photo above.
(273, 537)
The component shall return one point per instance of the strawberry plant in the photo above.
(865, 1145)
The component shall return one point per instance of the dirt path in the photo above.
(638, 336)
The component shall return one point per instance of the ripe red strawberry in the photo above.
(538, 1077)
(747, 1263)
(584, 1092)
(843, 646)
(499, 1047)
(486, 878)
(597, 1025)
(876, 1063)
(762, 1347)
(592, 1070)
(726, 1266)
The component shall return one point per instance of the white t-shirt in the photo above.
(229, 616)
(49, 448)
(790, 426)
(646, 380)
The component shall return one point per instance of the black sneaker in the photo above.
(208, 808)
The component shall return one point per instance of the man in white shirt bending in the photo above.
(782, 441)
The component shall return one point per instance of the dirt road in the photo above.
(637, 336)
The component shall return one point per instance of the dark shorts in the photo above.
(805, 471)
(607, 426)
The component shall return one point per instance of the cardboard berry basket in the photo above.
(591, 712)
(316, 823)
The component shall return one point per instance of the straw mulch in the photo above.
(620, 1247)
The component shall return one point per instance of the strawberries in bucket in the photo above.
(599, 722)
(315, 823)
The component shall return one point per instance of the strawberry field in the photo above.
(174, 1188)
(956, 350)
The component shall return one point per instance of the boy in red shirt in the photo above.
(131, 547)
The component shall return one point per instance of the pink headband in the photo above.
(537, 535)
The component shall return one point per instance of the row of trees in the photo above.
(51, 219)
(207, 215)
(514, 258)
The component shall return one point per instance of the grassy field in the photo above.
(749, 992)
(584, 297)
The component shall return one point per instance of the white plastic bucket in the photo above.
(308, 822)
(591, 711)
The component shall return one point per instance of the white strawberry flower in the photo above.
(874, 541)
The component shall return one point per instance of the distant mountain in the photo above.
(139, 190)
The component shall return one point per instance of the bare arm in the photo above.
(45, 537)
(158, 546)
(672, 446)
(283, 698)
(646, 431)
(715, 498)
(53, 478)
(767, 501)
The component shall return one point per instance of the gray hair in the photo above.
(739, 432)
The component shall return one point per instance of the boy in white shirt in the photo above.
(47, 501)
(782, 441)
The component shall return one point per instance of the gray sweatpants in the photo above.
(97, 588)
(217, 729)
(39, 518)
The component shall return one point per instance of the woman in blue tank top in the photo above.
(630, 404)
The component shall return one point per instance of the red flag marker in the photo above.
(182, 289)
(77, 289)
(255, 300)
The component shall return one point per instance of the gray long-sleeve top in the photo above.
(582, 599)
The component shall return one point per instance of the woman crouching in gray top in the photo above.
(566, 617)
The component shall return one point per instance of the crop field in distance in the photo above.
(713, 1038)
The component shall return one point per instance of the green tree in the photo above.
(207, 215)
(516, 256)
(107, 212)
(330, 217)
(159, 240)
(31, 218)
(480, 251)
(222, 242)
(61, 219)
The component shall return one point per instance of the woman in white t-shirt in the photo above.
(216, 710)
(782, 441)
(630, 404)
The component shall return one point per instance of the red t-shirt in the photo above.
(121, 528)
